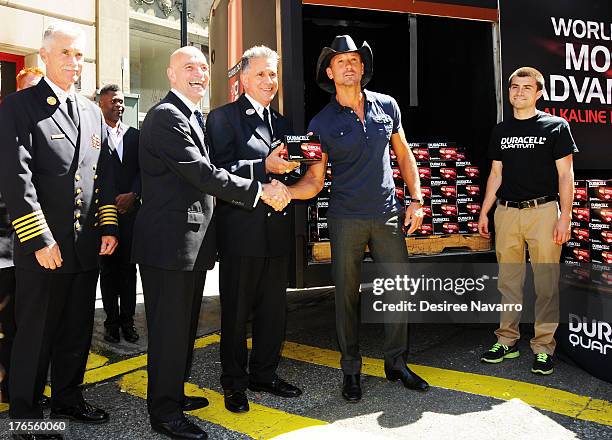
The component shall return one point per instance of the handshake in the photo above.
(276, 194)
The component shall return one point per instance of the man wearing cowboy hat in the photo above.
(356, 129)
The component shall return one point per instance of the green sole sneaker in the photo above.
(499, 352)
(542, 364)
(542, 372)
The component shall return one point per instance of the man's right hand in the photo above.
(483, 226)
(276, 195)
(277, 165)
(49, 257)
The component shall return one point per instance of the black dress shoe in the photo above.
(179, 428)
(111, 334)
(129, 333)
(278, 387)
(38, 437)
(236, 401)
(194, 402)
(409, 379)
(351, 388)
(44, 401)
(83, 413)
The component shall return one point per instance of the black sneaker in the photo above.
(499, 352)
(542, 364)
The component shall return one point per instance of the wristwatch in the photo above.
(420, 201)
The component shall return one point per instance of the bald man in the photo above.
(174, 234)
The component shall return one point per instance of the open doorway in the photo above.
(10, 65)
(455, 85)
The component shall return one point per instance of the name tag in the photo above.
(58, 136)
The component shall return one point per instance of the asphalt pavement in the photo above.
(467, 400)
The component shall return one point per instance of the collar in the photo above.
(336, 105)
(188, 102)
(61, 94)
(257, 106)
(121, 128)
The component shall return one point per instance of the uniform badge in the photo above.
(250, 112)
(51, 100)
(95, 142)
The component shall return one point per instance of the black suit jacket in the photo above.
(127, 179)
(6, 237)
(174, 228)
(55, 178)
(240, 143)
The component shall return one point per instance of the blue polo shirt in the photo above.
(362, 180)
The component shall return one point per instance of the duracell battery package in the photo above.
(303, 149)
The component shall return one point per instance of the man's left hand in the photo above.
(561, 233)
(125, 202)
(414, 217)
(109, 244)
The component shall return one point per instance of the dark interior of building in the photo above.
(455, 75)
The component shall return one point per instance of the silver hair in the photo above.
(257, 52)
(62, 28)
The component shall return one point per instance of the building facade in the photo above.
(128, 41)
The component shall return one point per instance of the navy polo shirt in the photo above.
(362, 180)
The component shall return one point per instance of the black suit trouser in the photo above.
(118, 287)
(54, 314)
(172, 304)
(7, 321)
(254, 285)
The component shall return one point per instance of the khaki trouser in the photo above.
(516, 228)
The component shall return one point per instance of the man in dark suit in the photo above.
(253, 245)
(117, 272)
(174, 234)
(58, 189)
(26, 78)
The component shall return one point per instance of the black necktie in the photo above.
(267, 123)
(200, 118)
(72, 111)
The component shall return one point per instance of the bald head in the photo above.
(188, 73)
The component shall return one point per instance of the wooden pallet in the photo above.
(436, 244)
(429, 245)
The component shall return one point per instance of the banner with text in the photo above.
(570, 42)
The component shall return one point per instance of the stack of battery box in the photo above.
(450, 185)
(589, 249)
(317, 212)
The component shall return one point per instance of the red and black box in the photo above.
(601, 253)
(318, 231)
(443, 170)
(468, 224)
(444, 207)
(445, 225)
(305, 149)
(599, 190)
(601, 212)
(318, 211)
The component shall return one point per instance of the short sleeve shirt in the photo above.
(362, 180)
(528, 149)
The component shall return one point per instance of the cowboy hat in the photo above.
(343, 44)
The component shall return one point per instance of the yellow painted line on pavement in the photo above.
(538, 396)
(95, 361)
(98, 371)
(131, 364)
(260, 422)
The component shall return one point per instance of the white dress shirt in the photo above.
(115, 137)
(259, 110)
(61, 94)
